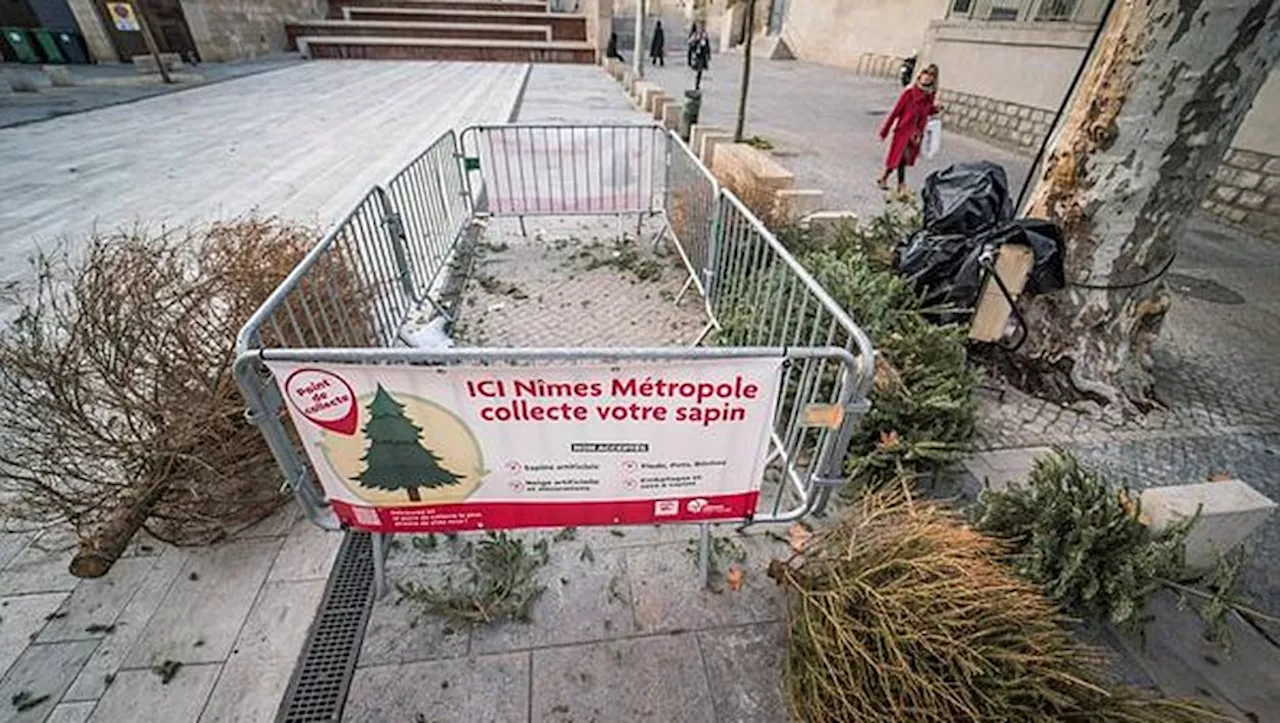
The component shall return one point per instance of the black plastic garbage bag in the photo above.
(966, 198)
(948, 270)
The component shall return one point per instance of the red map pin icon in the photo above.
(324, 398)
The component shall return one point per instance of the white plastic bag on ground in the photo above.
(932, 137)
(430, 336)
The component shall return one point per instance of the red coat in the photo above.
(910, 115)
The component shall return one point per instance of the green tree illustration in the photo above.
(396, 458)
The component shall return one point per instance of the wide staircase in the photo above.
(514, 31)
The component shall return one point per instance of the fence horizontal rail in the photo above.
(539, 170)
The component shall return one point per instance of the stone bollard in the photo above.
(710, 141)
(59, 76)
(672, 115)
(793, 204)
(1229, 512)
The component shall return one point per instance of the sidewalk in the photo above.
(99, 86)
(305, 142)
(823, 123)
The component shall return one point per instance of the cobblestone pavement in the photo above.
(1215, 366)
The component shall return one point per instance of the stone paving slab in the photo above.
(140, 696)
(21, 619)
(42, 670)
(71, 713)
(485, 688)
(743, 671)
(97, 602)
(40, 567)
(257, 672)
(199, 619)
(397, 633)
(132, 621)
(657, 678)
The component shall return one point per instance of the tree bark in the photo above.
(414, 496)
(1162, 98)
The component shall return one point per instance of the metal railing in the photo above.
(548, 170)
(348, 298)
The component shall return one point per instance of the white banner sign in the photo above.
(437, 449)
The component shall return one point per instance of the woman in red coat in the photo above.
(907, 121)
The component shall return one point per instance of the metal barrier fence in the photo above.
(347, 300)
(545, 170)
(429, 207)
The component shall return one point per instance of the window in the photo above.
(1056, 10)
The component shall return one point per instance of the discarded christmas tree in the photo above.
(396, 458)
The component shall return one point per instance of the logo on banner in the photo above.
(389, 447)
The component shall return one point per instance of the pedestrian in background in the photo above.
(657, 48)
(611, 51)
(907, 122)
(699, 55)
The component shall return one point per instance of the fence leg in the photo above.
(704, 554)
(523, 232)
(824, 496)
(380, 564)
(639, 224)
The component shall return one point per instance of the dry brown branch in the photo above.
(122, 408)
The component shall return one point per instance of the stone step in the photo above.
(495, 6)
(500, 51)
(563, 26)
(393, 29)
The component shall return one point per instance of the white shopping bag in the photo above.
(932, 137)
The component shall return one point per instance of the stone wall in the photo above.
(1246, 192)
(236, 29)
(95, 34)
(845, 33)
(1017, 127)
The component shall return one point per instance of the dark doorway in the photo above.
(167, 23)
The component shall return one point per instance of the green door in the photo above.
(48, 45)
(17, 39)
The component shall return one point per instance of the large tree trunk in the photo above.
(1165, 92)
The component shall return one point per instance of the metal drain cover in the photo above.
(1203, 289)
(318, 689)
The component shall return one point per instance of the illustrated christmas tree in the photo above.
(396, 458)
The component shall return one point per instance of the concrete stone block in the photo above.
(651, 96)
(697, 133)
(1229, 512)
(793, 204)
(1236, 215)
(59, 76)
(1251, 199)
(672, 115)
(1272, 166)
(828, 221)
(710, 141)
(1271, 184)
(659, 109)
(751, 174)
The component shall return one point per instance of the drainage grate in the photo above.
(318, 689)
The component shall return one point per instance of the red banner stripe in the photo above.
(515, 515)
